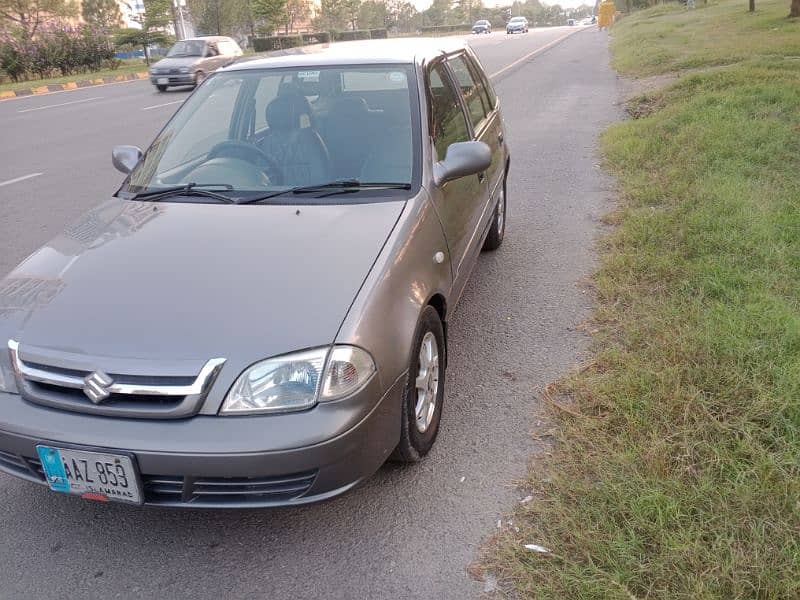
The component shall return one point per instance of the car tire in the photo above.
(161, 88)
(497, 230)
(419, 424)
(198, 78)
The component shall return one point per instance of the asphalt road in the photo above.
(409, 532)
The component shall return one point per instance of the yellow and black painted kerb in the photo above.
(71, 85)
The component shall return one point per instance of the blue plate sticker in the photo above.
(53, 468)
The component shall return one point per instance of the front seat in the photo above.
(292, 143)
(348, 133)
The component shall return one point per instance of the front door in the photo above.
(459, 201)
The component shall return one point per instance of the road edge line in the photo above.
(530, 55)
(71, 86)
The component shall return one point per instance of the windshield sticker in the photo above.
(397, 76)
(308, 75)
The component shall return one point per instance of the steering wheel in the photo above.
(250, 153)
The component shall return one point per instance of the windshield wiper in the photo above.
(341, 186)
(190, 189)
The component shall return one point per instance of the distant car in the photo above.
(517, 25)
(571, 22)
(189, 61)
(482, 26)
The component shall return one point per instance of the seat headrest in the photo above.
(288, 112)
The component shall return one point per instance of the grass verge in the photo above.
(127, 66)
(682, 477)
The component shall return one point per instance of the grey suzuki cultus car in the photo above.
(258, 317)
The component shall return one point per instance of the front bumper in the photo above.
(173, 79)
(181, 460)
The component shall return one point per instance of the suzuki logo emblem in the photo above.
(95, 386)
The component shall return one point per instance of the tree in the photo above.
(28, 15)
(104, 14)
(373, 14)
(296, 10)
(438, 13)
(221, 17)
(154, 24)
(401, 15)
(794, 11)
(752, 6)
(331, 15)
(350, 9)
(270, 13)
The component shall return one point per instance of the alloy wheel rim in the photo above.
(427, 382)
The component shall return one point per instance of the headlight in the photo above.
(297, 381)
(184, 69)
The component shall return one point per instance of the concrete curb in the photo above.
(71, 85)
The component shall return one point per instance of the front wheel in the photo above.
(497, 229)
(161, 88)
(198, 78)
(424, 392)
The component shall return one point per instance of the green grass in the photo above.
(682, 480)
(671, 38)
(134, 65)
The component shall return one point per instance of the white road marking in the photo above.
(79, 89)
(60, 104)
(18, 179)
(160, 105)
(534, 53)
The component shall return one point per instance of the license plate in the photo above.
(93, 475)
(163, 80)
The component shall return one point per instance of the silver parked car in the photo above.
(189, 61)
(259, 316)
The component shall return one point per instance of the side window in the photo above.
(490, 100)
(448, 123)
(211, 50)
(470, 89)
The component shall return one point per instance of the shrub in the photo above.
(56, 50)
(321, 37)
(378, 34)
(347, 36)
(276, 42)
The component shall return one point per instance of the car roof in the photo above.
(207, 38)
(362, 52)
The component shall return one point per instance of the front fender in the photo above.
(405, 276)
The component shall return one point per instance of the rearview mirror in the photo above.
(462, 159)
(125, 158)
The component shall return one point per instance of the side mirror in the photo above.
(125, 158)
(462, 159)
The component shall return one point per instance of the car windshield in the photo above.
(517, 20)
(481, 22)
(266, 130)
(186, 48)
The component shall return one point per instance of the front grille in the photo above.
(22, 466)
(86, 390)
(73, 399)
(196, 491)
(225, 491)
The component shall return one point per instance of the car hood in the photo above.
(177, 62)
(180, 281)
